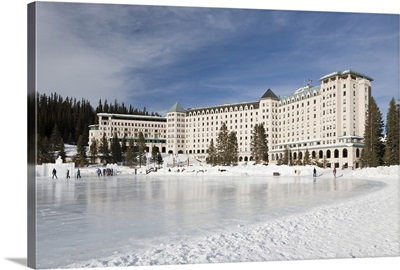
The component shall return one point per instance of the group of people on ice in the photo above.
(106, 172)
(54, 174)
(334, 172)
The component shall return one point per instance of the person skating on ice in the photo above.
(54, 174)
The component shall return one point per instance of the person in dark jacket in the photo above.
(54, 174)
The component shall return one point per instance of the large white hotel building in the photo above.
(327, 120)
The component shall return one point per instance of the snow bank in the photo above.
(46, 169)
(178, 164)
(364, 226)
(249, 169)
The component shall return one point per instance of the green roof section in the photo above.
(270, 94)
(177, 108)
(349, 71)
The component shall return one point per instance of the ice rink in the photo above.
(93, 219)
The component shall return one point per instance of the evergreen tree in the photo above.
(141, 144)
(62, 153)
(285, 160)
(233, 148)
(70, 140)
(324, 162)
(104, 150)
(373, 145)
(299, 161)
(106, 108)
(55, 139)
(116, 149)
(223, 145)
(259, 144)
(154, 151)
(124, 147)
(306, 159)
(130, 153)
(94, 150)
(317, 162)
(212, 154)
(391, 156)
(99, 108)
(71, 116)
(254, 145)
(159, 160)
(80, 157)
(44, 155)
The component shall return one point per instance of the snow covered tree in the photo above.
(212, 154)
(372, 154)
(104, 150)
(391, 156)
(116, 149)
(141, 144)
(259, 144)
(94, 150)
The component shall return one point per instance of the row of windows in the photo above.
(302, 97)
(133, 124)
(180, 119)
(202, 119)
(129, 134)
(178, 125)
(176, 114)
(266, 105)
(329, 88)
(321, 154)
(221, 110)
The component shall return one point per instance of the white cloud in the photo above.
(87, 50)
(109, 51)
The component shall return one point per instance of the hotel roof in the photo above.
(346, 72)
(177, 107)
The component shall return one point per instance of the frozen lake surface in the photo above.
(91, 218)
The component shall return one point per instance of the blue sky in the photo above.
(151, 56)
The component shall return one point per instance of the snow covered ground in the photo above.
(363, 223)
